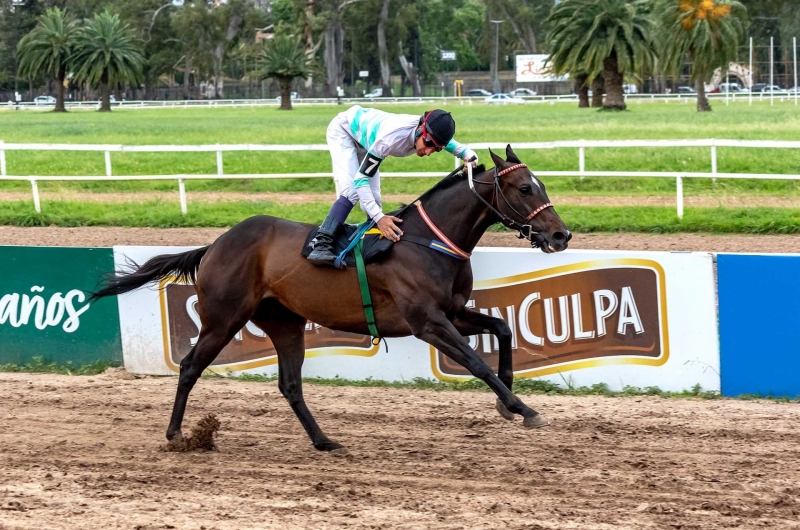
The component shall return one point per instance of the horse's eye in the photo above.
(525, 190)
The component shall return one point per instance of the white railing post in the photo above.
(108, 163)
(36, 204)
(219, 160)
(2, 159)
(714, 159)
(182, 189)
(582, 159)
(679, 186)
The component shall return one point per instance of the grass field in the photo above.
(476, 123)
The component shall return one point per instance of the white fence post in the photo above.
(2, 159)
(582, 159)
(679, 186)
(714, 159)
(219, 160)
(182, 189)
(35, 188)
(108, 163)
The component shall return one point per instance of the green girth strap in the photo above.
(363, 284)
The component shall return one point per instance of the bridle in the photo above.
(526, 231)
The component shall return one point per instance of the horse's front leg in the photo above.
(432, 326)
(470, 322)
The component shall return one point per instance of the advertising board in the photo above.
(578, 317)
(532, 69)
(44, 308)
(759, 319)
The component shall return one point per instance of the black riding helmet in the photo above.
(439, 125)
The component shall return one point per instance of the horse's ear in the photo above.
(510, 156)
(498, 161)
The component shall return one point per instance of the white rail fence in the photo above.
(219, 149)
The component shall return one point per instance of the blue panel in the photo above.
(759, 324)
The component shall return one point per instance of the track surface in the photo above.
(98, 236)
(83, 452)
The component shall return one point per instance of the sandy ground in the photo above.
(728, 201)
(109, 236)
(84, 452)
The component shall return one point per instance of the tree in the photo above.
(47, 49)
(601, 37)
(284, 59)
(107, 53)
(706, 31)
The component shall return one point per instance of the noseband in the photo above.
(525, 229)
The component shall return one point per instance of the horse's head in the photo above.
(523, 201)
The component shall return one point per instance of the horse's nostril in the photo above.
(560, 237)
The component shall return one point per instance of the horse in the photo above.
(255, 272)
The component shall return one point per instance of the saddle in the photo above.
(376, 247)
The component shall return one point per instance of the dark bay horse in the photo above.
(255, 272)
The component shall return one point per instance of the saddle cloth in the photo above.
(376, 247)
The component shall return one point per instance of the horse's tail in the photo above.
(183, 266)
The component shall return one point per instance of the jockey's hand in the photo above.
(470, 157)
(389, 229)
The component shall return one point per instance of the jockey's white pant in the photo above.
(346, 156)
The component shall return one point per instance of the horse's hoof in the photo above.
(504, 412)
(342, 451)
(534, 422)
(331, 447)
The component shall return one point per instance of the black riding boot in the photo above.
(323, 243)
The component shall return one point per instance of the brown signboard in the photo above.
(251, 347)
(571, 317)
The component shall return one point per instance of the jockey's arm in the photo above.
(462, 151)
(366, 171)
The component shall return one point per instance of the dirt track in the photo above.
(83, 452)
(109, 236)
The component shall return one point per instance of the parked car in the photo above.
(630, 89)
(731, 88)
(503, 99)
(765, 87)
(686, 90)
(293, 96)
(44, 100)
(377, 93)
(774, 89)
(522, 92)
(793, 91)
(478, 92)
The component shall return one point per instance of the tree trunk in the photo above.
(105, 93)
(286, 92)
(582, 90)
(702, 100)
(383, 51)
(598, 87)
(411, 73)
(59, 90)
(187, 68)
(613, 78)
(333, 56)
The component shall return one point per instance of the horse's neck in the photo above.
(460, 215)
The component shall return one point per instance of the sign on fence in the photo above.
(619, 318)
(532, 69)
(44, 307)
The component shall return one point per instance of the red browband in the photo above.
(537, 210)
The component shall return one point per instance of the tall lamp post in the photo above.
(496, 81)
(15, 5)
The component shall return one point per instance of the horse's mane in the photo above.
(451, 180)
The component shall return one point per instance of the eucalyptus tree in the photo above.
(107, 52)
(47, 50)
(706, 32)
(284, 58)
(608, 38)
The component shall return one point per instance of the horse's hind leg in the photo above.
(287, 332)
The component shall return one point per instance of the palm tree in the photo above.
(46, 50)
(607, 38)
(708, 32)
(107, 53)
(285, 58)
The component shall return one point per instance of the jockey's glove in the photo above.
(470, 156)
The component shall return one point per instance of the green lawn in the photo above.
(476, 123)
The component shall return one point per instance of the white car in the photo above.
(503, 99)
(377, 93)
(522, 92)
(44, 100)
(292, 96)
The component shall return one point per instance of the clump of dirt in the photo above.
(201, 438)
(117, 372)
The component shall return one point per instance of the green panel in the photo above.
(44, 310)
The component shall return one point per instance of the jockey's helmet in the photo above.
(437, 125)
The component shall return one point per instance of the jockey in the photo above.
(359, 140)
